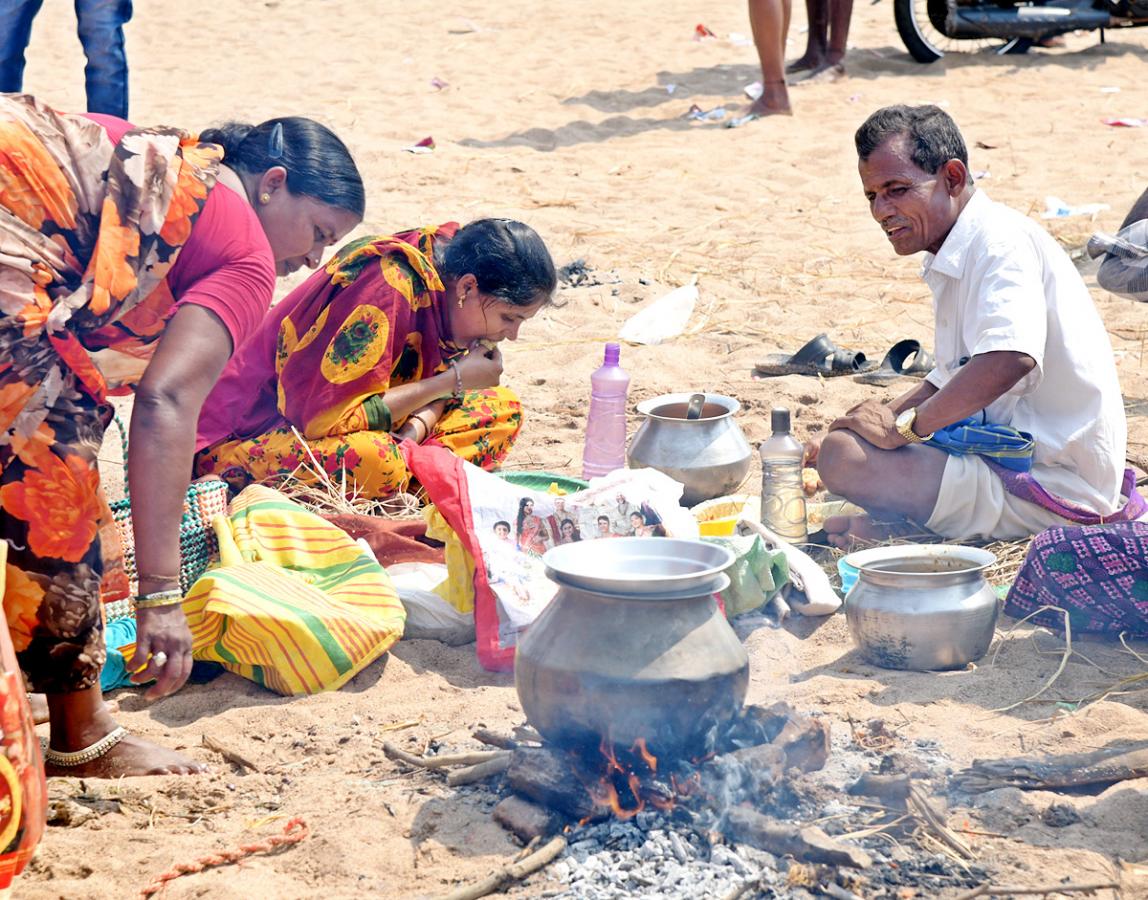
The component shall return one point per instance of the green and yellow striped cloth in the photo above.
(295, 605)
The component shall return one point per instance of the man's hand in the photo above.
(873, 421)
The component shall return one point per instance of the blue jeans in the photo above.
(101, 30)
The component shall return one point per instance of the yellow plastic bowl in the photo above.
(718, 517)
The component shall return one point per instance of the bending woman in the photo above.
(396, 339)
(133, 259)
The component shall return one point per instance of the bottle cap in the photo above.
(779, 420)
(613, 354)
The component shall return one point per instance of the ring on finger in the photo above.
(160, 659)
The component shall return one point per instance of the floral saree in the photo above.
(303, 397)
(88, 232)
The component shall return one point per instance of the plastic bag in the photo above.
(663, 319)
(505, 529)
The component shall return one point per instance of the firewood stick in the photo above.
(494, 766)
(495, 739)
(513, 872)
(526, 733)
(228, 754)
(443, 760)
(1003, 890)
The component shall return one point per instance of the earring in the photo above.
(460, 302)
(264, 197)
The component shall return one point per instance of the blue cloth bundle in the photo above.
(1001, 444)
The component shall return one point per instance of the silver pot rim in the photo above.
(583, 565)
(869, 561)
(647, 407)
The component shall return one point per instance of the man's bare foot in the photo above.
(131, 757)
(825, 73)
(774, 101)
(806, 63)
(39, 704)
(845, 532)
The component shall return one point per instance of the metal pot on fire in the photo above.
(633, 646)
(703, 448)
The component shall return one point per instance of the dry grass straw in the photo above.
(313, 488)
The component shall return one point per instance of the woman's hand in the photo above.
(481, 367)
(162, 629)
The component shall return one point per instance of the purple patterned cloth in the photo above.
(1023, 485)
(1098, 573)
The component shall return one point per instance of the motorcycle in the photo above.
(930, 28)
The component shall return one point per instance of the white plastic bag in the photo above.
(663, 319)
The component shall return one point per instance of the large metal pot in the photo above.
(925, 606)
(709, 454)
(633, 646)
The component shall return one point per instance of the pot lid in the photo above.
(639, 565)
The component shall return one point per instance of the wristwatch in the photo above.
(904, 425)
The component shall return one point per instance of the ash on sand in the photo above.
(682, 852)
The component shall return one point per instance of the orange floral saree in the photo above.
(88, 233)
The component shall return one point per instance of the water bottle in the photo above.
(782, 495)
(605, 448)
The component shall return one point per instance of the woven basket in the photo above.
(198, 546)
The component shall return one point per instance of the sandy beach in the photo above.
(572, 117)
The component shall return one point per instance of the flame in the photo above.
(641, 749)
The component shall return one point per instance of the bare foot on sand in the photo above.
(774, 101)
(844, 532)
(824, 73)
(131, 757)
(807, 63)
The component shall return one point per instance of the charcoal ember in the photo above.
(548, 777)
(1060, 815)
(525, 819)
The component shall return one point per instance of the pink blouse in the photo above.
(226, 265)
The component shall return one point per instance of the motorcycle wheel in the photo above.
(921, 25)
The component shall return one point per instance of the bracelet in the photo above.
(426, 424)
(172, 579)
(457, 395)
(159, 598)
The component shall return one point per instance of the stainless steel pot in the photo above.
(924, 606)
(708, 454)
(645, 659)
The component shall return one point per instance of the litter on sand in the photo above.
(753, 90)
(742, 120)
(702, 33)
(1125, 122)
(663, 319)
(715, 114)
(1055, 208)
(426, 145)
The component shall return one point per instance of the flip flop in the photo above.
(819, 357)
(905, 359)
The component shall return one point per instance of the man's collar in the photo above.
(950, 259)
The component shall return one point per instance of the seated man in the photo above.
(1018, 343)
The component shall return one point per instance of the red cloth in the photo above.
(391, 541)
(226, 265)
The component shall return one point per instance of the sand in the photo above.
(563, 115)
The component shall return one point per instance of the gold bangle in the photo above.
(159, 599)
(163, 579)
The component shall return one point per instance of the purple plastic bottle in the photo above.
(605, 448)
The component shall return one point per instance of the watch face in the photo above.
(905, 419)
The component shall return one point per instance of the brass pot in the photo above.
(619, 665)
(709, 454)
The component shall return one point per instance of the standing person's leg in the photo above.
(840, 14)
(769, 20)
(15, 31)
(101, 29)
(817, 43)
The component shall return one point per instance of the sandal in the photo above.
(819, 357)
(896, 364)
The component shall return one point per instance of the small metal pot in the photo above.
(652, 657)
(923, 607)
(708, 454)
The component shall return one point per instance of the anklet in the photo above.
(67, 759)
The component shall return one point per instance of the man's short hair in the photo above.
(933, 136)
